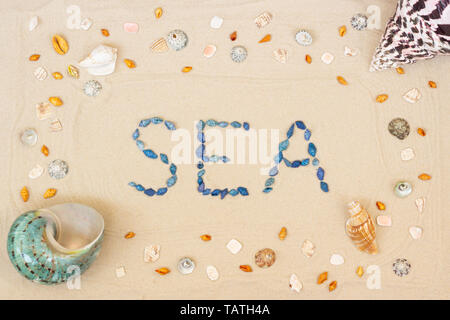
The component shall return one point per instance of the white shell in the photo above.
(36, 172)
(40, 73)
(294, 283)
(263, 19)
(234, 246)
(101, 61)
(29, 137)
(407, 154)
(212, 273)
(336, 259)
(384, 221)
(308, 248)
(43, 110)
(186, 265)
(34, 21)
(420, 204)
(280, 55)
(55, 125)
(216, 22)
(349, 52)
(412, 96)
(327, 58)
(415, 232)
(86, 24)
(151, 253)
(120, 272)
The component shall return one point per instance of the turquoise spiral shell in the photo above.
(31, 255)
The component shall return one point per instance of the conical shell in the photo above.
(361, 228)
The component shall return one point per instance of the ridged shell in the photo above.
(159, 46)
(280, 55)
(361, 228)
(412, 96)
(40, 73)
(263, 19)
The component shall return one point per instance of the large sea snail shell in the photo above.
(50, 245)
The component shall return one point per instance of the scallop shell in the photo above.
(48, 245)
(40, 73)
(361, 228)
(101, 61)
(159, 46)
(280, 55)
(308, 248)
(294, 283)
(36, 172)
(412, 96)
(34, 21)
(151, 253)
(263, 19)
(212, 273)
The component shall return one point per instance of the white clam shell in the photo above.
(384, 221)
(212, 273)
(263, 19)
(101, 61)
(151, 253)
(36, 172)
(407, 154)
(336, 259)
(40, 73)
(308, 248)
(34, 21)
(415, 232)
(412, 96)
(327, 58)
(216, 22)
(420, 204)
(234, 246)
(294, 283)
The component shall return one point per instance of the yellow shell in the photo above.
(24, 194)
(361, 228)
(60, 44)
(49, 193)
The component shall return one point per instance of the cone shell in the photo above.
(361, 228)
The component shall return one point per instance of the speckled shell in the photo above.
(361, 228)
(177, 39)
(38, 256)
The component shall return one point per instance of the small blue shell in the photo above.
(307, 134)
(156, 120)
(312, 149)
(140, 187)
(267, 190)
(207, 192)
(171, 181)
(295, 164)
(225, 159)
(213, 158)
(223, 193)
(144, 123)
(287, 162)
(216, 192)
(150, 192)
(140, 145)
(243, 191)
(283, 145)
(278, 158)
(315, 162)
(269, 182)
(135, 134)
(300, 125)
(211, 123)
(304, 162)
(324, 186)
(200, 165)
(173, 169)
(161, 191)
(199, 180)
(201, 188)
(201, 137)
(236, 125)
(164, 158)
(223, 124)
(201, 173)
(170, 125)
(320, 173)
(246, 126)
(149, 153)
(233, 192)
(132, 184)
(200, 125)
(273, 171)
(290, 132)
(200, 151)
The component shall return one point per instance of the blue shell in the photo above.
(312, 149)
(170, 125)
(164, 158)
(290, 132)
(300, 125)
(34, 258)
(135, 134)
(149, 153)
(307, 134)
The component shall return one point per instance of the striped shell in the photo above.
(263, 19)
(361, 228)
(38, 256)
(159, 46)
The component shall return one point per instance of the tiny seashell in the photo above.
(36, 172)
(25, 194)
(55, 125)
(349, 52)
(280, 55)
(303, 38)
(359, 22)
(186, 265)
(234, 246)
(34, 21)
(73, 71)
(130, 27)
(238, 54)
(407, 154)
(412, 96)
(177, 40)
(49, 193)
(29, 137)
(399, 128)
(263, 19)
(85, 24)
(420, 204)
(209, 51)
(120, 272)
(265, 258)
(158, 12)
(159, 46)
(336, 259)
(101, 61)
(92, 88)
(401, 267)
(216, 22)
(40, 73)
(402, 189)
(58, 169)
(294, 283)
(327, 58)
(415, 232)
(43, 110)
(308, 248)
(384, 221)
(151, 253)
(212, 273)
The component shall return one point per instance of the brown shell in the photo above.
(361, 228)
(265, 258)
